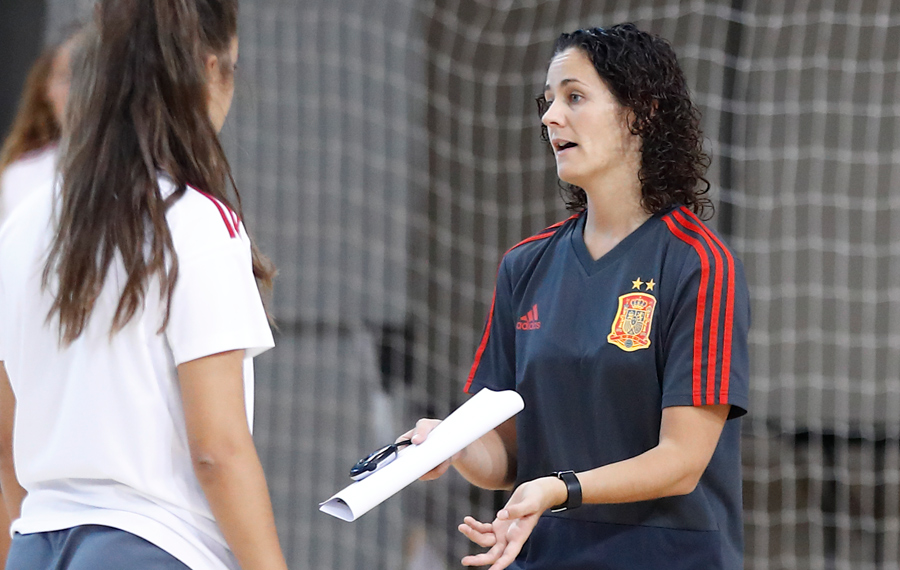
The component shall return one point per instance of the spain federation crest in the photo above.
(631, 327)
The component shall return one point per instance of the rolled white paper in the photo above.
(477, 416)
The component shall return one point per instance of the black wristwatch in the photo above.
(573, 488)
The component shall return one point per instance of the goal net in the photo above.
(388, 152)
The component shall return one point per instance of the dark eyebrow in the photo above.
(563, 83)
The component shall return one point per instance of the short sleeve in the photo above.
(495, 359)
(706, 352)
(216, 305)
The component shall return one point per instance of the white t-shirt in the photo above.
(100, 433)
(22, 177)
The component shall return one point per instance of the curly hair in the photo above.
(642, 73)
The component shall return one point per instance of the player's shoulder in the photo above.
(33, 211)
(42, 158)
(536, 245)
(200, 221)
(32, 169)
(687, 232)
(696, 249)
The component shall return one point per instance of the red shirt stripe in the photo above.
(729, 316)
(230, 218)
(236, 220)
(716, 307)
(701, 307)
(487, 329)
(483, 343)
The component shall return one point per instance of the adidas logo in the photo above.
(530, 321)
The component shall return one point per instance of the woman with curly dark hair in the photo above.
(624, 328)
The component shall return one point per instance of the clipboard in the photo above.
(480, 414)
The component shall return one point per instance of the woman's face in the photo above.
(59, 80)
(588, 128)
(220, 77)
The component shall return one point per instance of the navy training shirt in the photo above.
(597, 348)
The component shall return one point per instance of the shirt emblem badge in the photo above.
(631, 328)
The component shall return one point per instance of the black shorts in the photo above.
(87, 547)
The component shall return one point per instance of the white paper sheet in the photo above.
(477, 416)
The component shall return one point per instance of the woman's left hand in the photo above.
(507, 534)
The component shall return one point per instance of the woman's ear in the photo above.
(212, 66)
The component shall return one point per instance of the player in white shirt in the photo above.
(29, 155)
(130, 313)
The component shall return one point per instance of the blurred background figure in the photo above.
(29, 154)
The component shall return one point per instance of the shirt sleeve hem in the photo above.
(251, 349)
(475, 387)
(739, 406)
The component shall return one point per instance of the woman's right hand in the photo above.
(419, 434)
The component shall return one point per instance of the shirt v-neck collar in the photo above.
(593, 266)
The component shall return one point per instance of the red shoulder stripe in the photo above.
(236, 220)
(230, 218)
(487, 329)
(716, 305)
(701, 307)
(545, 233)
(729, 315)
(553, 227)
(482, 344)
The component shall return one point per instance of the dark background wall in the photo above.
(21, 34)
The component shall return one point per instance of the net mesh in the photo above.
(388, 153)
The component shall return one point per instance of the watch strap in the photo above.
(573, 490)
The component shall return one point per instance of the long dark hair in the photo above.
(138, 106)
(35, 125)
(642, 73)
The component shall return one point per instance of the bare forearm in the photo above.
(659, 472)
(489, 462)
(654, 474)
(688, 439)
(225, 460)
(236, 489)
(13, 493)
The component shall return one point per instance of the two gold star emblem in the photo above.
(637, 283)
